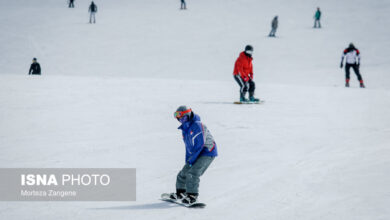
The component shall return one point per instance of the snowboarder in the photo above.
(274, 26)
(243, 74)
(200, 152)
(93, 10)
(352, 59)
(317, 17)
(71, 3)
(35, 68)
(183, 5)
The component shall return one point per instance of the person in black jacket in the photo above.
(274, 26)
(35, 68)
(93, 10)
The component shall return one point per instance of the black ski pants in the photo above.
(245, 86)
(355, 68)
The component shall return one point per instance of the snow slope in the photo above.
(314, 150)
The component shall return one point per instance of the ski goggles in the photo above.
(180, 114)
(249, 52)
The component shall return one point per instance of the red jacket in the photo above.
(243, 67)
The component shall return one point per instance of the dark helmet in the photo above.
(35, 59)
(248, 48)
(182, 111)
(351, 45)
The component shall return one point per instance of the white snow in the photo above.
(314, 150)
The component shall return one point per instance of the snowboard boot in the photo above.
(242, 98)
(347, 84)
(180, 194)
(190, 199)
(253, 99)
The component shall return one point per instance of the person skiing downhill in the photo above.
(200, 152)
(317, 18)
(35, 68)
(243, 74)
(92, 10)
(352, 59)
(274, 26)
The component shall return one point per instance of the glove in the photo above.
(341, 65)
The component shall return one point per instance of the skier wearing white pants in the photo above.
(92, 10)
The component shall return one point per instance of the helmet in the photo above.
(35, 59)
(248, 48)
(351, 45)
(182, 111)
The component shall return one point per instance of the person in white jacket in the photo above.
(352, 59)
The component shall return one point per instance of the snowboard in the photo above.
(165, 197)
(249, 102)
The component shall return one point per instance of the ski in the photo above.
(249, 102)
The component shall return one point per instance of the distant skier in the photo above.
(71, 3)
(183, 5)
(243, 74)
(200, 152)
(274, 26)
(317, 18)
(352, 55)
(92, 10)
(35, 68)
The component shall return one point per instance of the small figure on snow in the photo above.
(352, 59)
(183, 5)
(200, 152)
(35, 68)
(274, 26)
(317, 18)
(92, 10)
(243, 74)
(71, 3)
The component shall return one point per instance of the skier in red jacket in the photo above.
(243, 74)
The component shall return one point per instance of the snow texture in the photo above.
(314, 150)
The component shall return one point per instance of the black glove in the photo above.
(341, 65)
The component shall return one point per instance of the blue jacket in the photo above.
(198, 140)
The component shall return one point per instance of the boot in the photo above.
(180, 194)
(190, 199)
(253, 99)
(362, 84)
(242, 97)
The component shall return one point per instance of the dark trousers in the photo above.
(245, 86)
(317, 22)
(272, 33)
(71, 4)
(355, 68)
